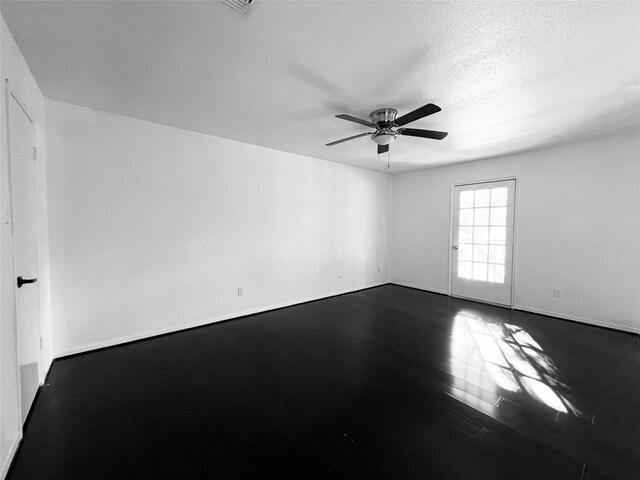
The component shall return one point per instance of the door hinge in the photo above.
(35, 154)
(40, 339)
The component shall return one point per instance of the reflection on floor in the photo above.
(492, 360)
(386, 383)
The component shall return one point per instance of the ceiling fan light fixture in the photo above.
(384, 120)
(384, 137)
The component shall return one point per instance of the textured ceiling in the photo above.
(509, 76)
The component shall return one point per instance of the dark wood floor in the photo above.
(388, 382)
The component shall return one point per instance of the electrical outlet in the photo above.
(240, 291)
(378, 269)
(557, 292)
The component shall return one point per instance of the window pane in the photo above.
(499, 216)
(480, 271)
(498, 197)
(466, 216)
(482, 198)
(464, 269)
(480, 253)
(465, 235)
(465, 252)
(496, 254)
(466, 199)
(496, 273)
(481, 235)
(481, 216)
(497, 235)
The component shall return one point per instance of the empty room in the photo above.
(247, 239)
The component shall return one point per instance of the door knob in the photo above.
(22, 281)
(455, 247)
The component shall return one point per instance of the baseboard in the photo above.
(6, 464)
(221, 318)
(419, 287)
(576, 318)
(539, 311)
(275, 306)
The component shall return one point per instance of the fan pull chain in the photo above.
(388, 155)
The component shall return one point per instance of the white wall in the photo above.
(578, 228)
(14, 68)
(153, 228)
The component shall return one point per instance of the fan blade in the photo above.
(415, 132)
(383, 149)
(350, 118)
(347, 139)
(418, 113)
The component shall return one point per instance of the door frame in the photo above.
(9, 95)
(516, 206)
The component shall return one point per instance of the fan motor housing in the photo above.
(383, 119)
(383, 115)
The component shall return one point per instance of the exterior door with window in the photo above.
(483, 223)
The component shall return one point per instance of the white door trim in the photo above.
(21, 103)
(516, 179)
(7, 96)
(10, 94)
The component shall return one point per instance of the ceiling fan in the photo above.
(384, 120)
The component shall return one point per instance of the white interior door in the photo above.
(24, 211)
(483, 223)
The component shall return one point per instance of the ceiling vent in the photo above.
(242, 6)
